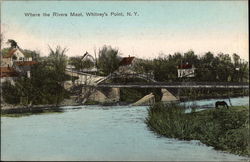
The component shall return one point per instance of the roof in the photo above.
(126, 61)
(7, 72)
(185, 66)
(10, 53)
(25, 63)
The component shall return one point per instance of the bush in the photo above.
(10, 93)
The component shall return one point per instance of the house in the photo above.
(127, 70)
(24, 67)
(13, 55)
(8, 74)
(15, 60)
(125, 65)
(90, 60)
(186, 70)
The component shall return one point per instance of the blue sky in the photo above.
(162, 26)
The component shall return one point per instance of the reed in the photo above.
(224, 129)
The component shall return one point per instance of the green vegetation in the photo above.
(91, 102)
(194, 94)
(131, 95)
(209, 68)
(224, 129)
(80, 64)
(45, 86)
(48, 76)
(108, 60)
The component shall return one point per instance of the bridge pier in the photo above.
(105, 95)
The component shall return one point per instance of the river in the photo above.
(98, 133)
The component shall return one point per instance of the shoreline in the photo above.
(230, 134)
(12, 109)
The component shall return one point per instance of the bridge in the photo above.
(220, 85)
(91, 80)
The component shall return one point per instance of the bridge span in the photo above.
(197, 85)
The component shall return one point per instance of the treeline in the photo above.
(48, 76)
(209, 67)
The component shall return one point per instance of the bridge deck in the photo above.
(174, 85)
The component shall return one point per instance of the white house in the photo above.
(16, 61)
(186, 70)
(13, 55)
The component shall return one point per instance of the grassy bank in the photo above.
(224, 129)
(197, 94)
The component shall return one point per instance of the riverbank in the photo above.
(21, 110)
(224, 129)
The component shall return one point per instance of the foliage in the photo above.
(4, 51)
(209, 67)
(33, 54)
(45, 86)
(224, 129)
(131, 95)
(12, 43)
(10, 93)
(81, 64)
(108, 60)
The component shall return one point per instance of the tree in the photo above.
(12, 43)
(190, 58)
(80, 63)
(142, 66)
(57, 62)
(108, 60)
(236, 68)
(206, 66)
(34, 54)
(244, 71)
(224, 67)
(10, 93)
(162, 69)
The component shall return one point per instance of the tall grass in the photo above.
(224, 129)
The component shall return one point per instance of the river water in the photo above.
(98, 133)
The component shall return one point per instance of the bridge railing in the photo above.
(132, 75)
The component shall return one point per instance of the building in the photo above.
(24, 67)
(186, 70)
(125, 65)
(14, 63)
(13, 55)
(8, 74)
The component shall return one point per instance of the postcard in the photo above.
(124, 80)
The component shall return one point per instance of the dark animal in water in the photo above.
(221, 103)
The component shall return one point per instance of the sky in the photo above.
(159, 26)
